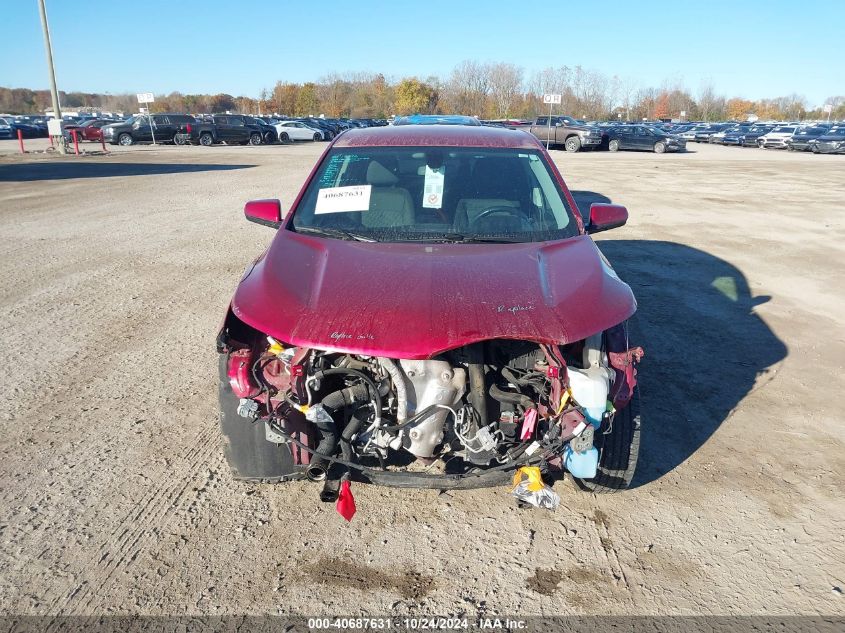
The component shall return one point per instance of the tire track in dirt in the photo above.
(134, 531)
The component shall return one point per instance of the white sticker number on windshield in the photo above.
(433, 188)
(343, 199)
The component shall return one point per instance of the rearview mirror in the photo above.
(605, 216)
(264, 212)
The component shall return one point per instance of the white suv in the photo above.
(778, 137)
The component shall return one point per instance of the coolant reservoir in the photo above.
(589, 389)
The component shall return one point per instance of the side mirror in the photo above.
(265, 212)
(605, 216)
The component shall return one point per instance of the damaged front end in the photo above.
(466, 418)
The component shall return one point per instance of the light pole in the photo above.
(57, 113)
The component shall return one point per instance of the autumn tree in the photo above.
(738, 109)
(414, 96)
(285, 97)
(306, 100)
(661, 107)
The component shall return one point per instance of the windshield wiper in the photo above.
(334, 232)
(459, 238)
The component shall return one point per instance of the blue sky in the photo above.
(747, 48)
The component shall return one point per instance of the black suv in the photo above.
(167, 127)
(268, 132)
(231, 129)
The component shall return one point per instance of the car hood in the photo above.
(414, 301)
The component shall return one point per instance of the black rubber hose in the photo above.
(477, 398)
(525, 382)
(351, 428)
(358, 374)
(332, 403)
(512, 398)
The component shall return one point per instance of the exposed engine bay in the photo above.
(474, 412)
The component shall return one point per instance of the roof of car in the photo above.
(437, 135)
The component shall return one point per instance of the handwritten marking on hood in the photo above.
(514, 308)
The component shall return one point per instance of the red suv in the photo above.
(431, 313)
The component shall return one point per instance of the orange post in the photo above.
(20, 140)
(75, 141)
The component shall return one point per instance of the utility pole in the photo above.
(57, 113)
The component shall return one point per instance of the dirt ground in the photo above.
(114, 497)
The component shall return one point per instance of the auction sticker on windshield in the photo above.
(343, 199)
(433, 188)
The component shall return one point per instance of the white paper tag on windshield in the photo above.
(433, 187)
(343, 199)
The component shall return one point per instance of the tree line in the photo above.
(495, 90)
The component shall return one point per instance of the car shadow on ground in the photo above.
(28, 172)
(584, 199)
(705, 346)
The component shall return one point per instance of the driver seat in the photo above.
(497, 181)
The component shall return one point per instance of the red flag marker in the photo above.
(345, 501)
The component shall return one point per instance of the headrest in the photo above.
(379, 175)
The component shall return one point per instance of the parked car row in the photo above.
(231, 129)
(10, 125)
(182, 128)
(819, 138)
(573, 135)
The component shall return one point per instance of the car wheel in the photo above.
(178, 139)
(317, 136)
(269, 138)
(250, 456)
(206, 139)
(255, 138)
(125, 139)
(573, 144)
(619, 448)
(613, 146)
(659, 147)
(284, 138)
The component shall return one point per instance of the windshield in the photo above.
(401, 194)
(839, 131)
(784, 129)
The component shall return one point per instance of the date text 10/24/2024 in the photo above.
(415, 624)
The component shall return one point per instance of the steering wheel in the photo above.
(499, 208)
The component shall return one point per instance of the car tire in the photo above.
(249, 455)
(572, 144)
(206, 139)
(125, 139)
(178, 139)
(255, 138)
(659, 147)
(269, 138)
(613, 146)
(318, 136)
(815, 150)
(284, 138)
(619, 448)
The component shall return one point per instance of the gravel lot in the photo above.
(114, 497)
